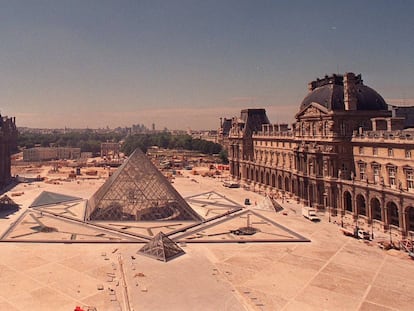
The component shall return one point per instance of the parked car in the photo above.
(363, 235)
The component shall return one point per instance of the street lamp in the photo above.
(325, 200)
(372, 229)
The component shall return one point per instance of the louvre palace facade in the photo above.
(8, 142)
(348, 153)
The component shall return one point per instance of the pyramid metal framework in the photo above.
(7, 203)
(51, 198)
(161, 248)
(138, 191)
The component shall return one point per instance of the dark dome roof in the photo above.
(329, 93)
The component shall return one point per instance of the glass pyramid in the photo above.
(7, 203)
(138, 191)
(161, 248)
(50, 198)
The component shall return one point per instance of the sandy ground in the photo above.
(332, 272)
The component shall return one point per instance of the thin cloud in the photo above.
(171, 118)
(243, 100)
(400, 101)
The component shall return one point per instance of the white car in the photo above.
(363, 235)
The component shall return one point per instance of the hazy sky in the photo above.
(184, 64)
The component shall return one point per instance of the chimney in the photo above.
(350, 98)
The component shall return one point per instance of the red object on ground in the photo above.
(78, 309)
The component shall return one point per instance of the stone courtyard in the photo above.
(330, 272)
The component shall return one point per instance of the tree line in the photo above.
(87, 141)
(168, 141)
(90, 141)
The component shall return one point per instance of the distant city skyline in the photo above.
(185, 64)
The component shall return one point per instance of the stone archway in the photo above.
(361, 205)
(393, 215)
(410, 218)
(279, 182)
(301, 188)
(334, 201)
(287, 184)
(376, 212)
(294, 187)
(311, 197)
(347, 201)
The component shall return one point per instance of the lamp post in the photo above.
(325, 201)
(372, 229)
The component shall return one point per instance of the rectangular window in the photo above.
(342, 128)
(376, 170)
(375, 151)
(391, 176)
(361, 150)
(408, 154)
(390, 152)
(410, 179)
(362, 175)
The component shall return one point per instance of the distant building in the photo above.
(347, 153)
(110, 149)
(38, 154)
(406, 112)
(223, 132)
(86, 155)
(8, 143)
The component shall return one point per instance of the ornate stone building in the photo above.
(8, 141)
(346, 153)
(38, 154)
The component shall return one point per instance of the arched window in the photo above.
(347, 201)
(287, 183)
(410, 218)
(361, 206)
(376, 209)
(393, 216)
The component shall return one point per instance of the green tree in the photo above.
(224, 156)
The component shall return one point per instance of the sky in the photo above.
(185, 63)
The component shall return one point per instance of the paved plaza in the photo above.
(302, 265)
